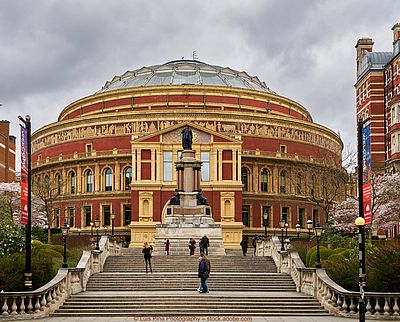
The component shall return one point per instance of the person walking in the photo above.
(147, 250)
(166, 248)
(206, 244)
(203, 273)
(244, 245)
(192, 246)
(255, 240)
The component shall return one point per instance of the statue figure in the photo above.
(187, 137)
(175, 200)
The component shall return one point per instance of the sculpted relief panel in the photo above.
(147, 127)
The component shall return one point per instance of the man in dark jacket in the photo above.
(147, 250)
(203, 272)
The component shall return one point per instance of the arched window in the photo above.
(299, 184)
(245, 179)
(282, 181)
(58, 183)
(89, 180)
(313, 185)
(72, 182)
(127, 178)
(264, 176)
(108, 179)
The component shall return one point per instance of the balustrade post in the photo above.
(368, 308)
(5, 306)
(345, 306)
(37, 304)
(386, 307)
(339, 302)
(30, 306)
(49, 299)
(395, 307)
(22, 305)
(377, 307)
(43, 302)
(352, 306)
(14, 306)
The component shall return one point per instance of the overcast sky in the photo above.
(55, 52)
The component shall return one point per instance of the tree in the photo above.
(46, 193)
(385, 205)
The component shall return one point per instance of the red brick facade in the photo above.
(7, 153)
(239, 134)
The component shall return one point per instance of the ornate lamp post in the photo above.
(91, 228)
(265, 223)
(360, 223)
(309, 227)
(318, 233)
(286, 227)
(112, 216)
(298, 228)
(282, 224)
(97, 225)
(65, 229)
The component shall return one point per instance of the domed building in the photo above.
(111, 155)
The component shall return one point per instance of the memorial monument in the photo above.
(188, 214)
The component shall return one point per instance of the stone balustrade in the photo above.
(333, 297)
(46, 299)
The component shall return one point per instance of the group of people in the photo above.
(204, 265)
(204, 243)
(245, 242)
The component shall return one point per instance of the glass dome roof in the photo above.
(185, 72)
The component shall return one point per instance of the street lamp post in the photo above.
(112, 216)
(309, 227)
(318, 233)
(360, 222)
(286, 227)
(97, 225)
(298, 228)
(265, 223)
(26, 194)
(282, 224)
(91, 228)
(64, 230)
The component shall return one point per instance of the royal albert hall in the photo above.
(111, 155)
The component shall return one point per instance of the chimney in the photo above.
(396, 38)
(363, 44)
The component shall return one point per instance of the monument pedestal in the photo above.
(188, 214)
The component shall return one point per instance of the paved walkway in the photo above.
(199, 319)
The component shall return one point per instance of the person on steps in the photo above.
(203, 273)
(244, 245)
(192, 246)
(166, 248)
(147, 250)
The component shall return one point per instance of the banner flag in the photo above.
(367, 174)
(24, 175)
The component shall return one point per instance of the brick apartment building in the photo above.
(7, 153)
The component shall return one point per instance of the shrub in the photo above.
(312, 255)
(343, 271)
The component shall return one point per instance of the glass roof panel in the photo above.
(211, 79)
(160, 79)
(185, 78)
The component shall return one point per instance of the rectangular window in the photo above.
(56, 222)
(246, 215)
(71, 215)
(205, 167)
(283, 149)
(88, 215)
(127, 215)
(167, 166)
(393, 115)
(315, 216)
(89, 149)
(266, 215)
(106, 215)
(302, 216)
(285, 214)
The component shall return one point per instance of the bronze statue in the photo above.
(187, 137)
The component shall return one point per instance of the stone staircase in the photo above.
(239, 286)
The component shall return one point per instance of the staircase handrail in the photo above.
(333, 297)
(48, 298)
